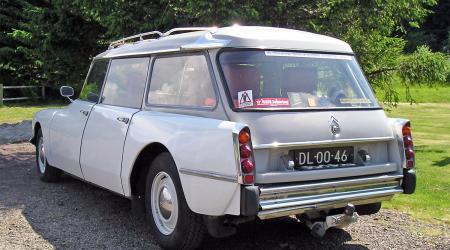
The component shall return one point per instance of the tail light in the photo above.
(408, 146)
(246, 156)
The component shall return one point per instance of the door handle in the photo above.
(123, 119)
(84, 112)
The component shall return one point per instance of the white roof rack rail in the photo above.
(131, 38)
(141, 36)
(188, 29)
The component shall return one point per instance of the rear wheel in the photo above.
(173, 224)
(46, 172)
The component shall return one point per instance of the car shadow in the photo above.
(72, 214)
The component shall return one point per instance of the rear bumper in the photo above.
(288, 199)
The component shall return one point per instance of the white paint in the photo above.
(65, 137)
(102, 147)
(195, 143)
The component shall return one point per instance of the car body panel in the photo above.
(194, 143)
(66, 134)
(102, 146)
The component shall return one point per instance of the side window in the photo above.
(181, 81)
(93, 86)
(125, 82)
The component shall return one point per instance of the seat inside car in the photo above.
(299, 79)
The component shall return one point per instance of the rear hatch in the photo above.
(279, 138)
(312, 116)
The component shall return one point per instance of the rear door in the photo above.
(68, 123)
(106, 129)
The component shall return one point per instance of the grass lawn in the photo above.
(430, 124)
(421, 94)
(18, 113)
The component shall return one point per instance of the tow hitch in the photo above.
(318, 228)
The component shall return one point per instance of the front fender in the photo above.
(43, 118)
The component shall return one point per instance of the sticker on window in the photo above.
(307, 55)
(272, 102)
(245, 98)
(355, 101)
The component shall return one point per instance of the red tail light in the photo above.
(246, 156)
(247, 166)
(245, 150)
(408, 145)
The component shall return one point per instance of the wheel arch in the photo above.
(142, 165)
(36, 127)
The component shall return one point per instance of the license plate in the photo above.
(323, 156)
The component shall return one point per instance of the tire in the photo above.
(46, 172)
(173, 224)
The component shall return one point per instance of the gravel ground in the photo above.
(11, 133)
(74, 215)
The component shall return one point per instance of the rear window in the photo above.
(295, 80)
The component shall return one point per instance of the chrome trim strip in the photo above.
(333, 184)
(314, 143)
(209, 175)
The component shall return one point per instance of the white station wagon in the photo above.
(207, 128)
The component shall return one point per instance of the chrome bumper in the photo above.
(284, 200)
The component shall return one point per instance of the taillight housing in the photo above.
(408, 145)
(247, 165)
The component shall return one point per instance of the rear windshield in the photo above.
(295, 80)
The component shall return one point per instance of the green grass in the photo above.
(431, 133)
(18, 113)
(439, 93)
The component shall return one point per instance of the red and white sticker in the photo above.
(272, 102)
(245, 98)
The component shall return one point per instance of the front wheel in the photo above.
(173, 224)
(46, 172)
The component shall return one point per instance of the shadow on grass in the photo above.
(442, 163)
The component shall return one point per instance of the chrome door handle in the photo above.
(84, 112)
(123, 119)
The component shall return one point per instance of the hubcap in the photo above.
(41, 155)
(164, 203)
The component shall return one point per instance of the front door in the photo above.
(65, 136)
(106, 129)
(68, 124)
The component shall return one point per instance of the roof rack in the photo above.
(141, 36)
(188, 29)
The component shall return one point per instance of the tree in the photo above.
(66, 34)
(17, 62)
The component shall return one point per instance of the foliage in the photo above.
(424, 67)
(65, 35)
(435, 30)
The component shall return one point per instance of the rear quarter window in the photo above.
(181, 80)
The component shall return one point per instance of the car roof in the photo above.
(228, 37)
